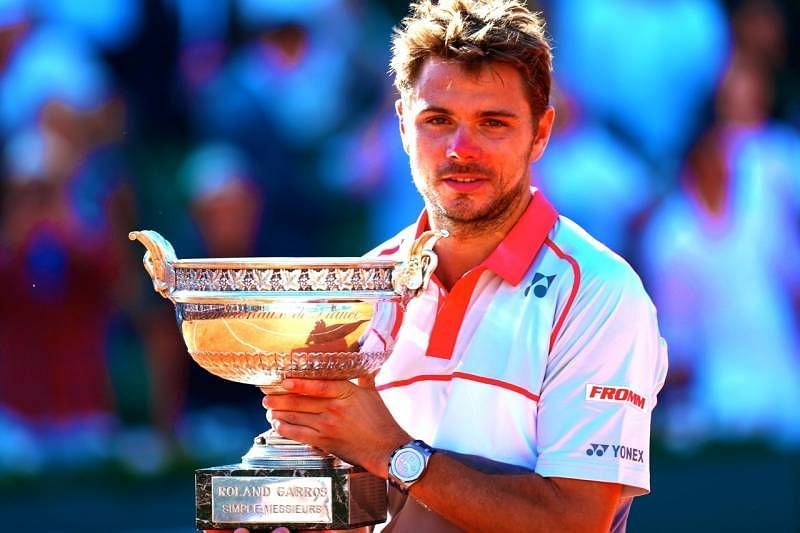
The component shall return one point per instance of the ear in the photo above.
(398, 107)
(543, 130)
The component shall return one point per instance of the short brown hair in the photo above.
(474, 32)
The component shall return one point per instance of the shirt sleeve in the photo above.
(604, 371)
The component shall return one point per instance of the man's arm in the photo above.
(352, 422)
(477, 500)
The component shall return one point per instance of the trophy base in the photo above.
(262, 498)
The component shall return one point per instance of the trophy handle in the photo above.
(157, 260)
(412, 276)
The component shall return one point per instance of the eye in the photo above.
(437, 120)
(494, 123)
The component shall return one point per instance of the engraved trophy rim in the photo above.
(270, 297)
(284, 262)
(406, 277)
(275, 280)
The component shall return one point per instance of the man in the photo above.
(531, 363)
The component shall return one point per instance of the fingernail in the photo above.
(289, 384)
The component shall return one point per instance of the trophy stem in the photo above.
(272, 450)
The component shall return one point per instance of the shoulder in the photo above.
(605, 318)
(596, 269)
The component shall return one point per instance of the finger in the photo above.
(320, 388)
(297, 432)
(281, 530)
(295, 402)
(308, 420)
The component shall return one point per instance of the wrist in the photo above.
(408, 464)
(380, 466)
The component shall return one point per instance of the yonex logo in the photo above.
(617, 450)
(597, 449)
(540, 285)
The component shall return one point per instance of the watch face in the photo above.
(408, 464)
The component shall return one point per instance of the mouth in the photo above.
(460, 178)
(463, 184)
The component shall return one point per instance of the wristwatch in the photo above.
(408, 464)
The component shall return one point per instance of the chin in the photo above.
(468, 211)
(463, 215)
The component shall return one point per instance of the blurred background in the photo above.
(266, 127)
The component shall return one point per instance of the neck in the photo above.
(469, 244)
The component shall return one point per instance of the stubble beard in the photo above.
(465, 218)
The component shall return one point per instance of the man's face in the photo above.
(471, 137)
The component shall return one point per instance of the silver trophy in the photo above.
(260, 320)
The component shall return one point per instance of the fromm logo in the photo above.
(603, 393)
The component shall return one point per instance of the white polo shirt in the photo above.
(546, 356)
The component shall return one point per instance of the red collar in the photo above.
(514, 255)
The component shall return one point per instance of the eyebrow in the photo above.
(483, 114)
(435, 109)
(498, 113)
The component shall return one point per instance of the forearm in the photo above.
(473, 496)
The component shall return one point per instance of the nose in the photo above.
(462, 145)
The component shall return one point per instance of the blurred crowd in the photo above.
(267, 128)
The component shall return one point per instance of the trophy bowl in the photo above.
(259, 320)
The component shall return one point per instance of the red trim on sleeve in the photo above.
(576, 282)
(460, 375)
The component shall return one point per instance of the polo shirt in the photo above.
(545, 356)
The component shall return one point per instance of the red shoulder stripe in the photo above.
(576, 282)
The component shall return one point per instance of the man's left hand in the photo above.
(340, 417)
